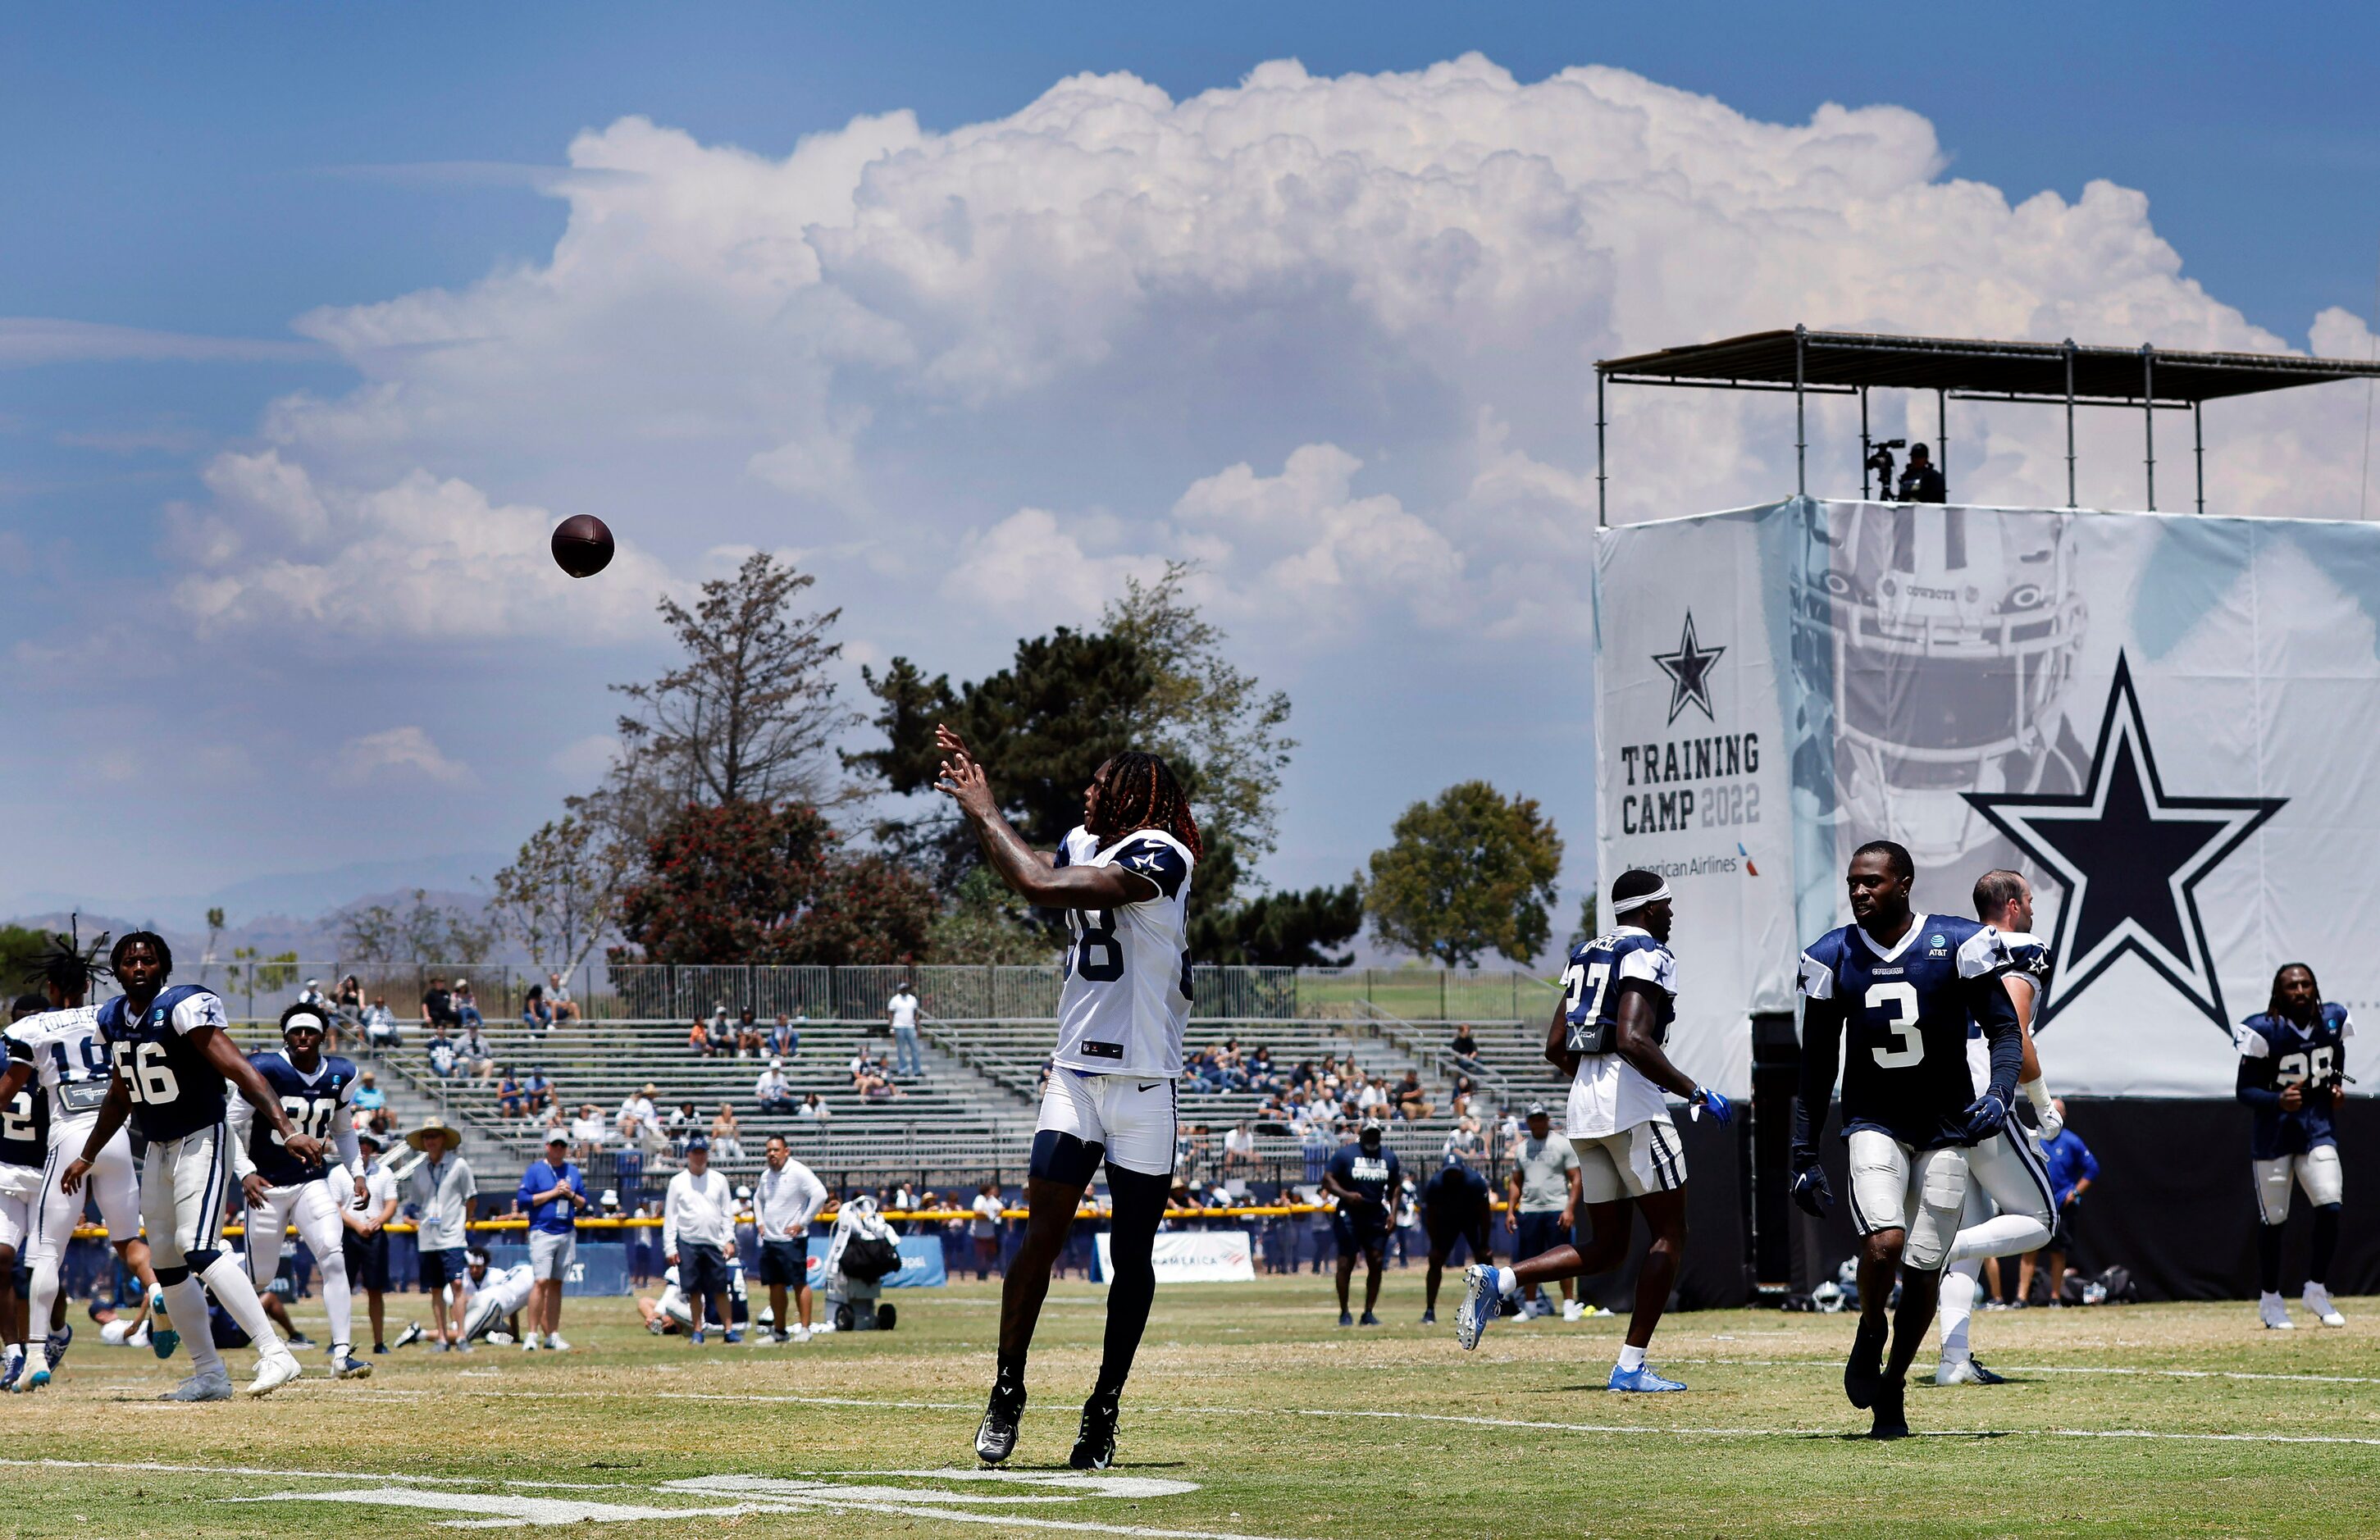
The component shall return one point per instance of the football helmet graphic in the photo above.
(1944, 638)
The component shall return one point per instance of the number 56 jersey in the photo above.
(1906, 1009)
(1128, 993)
(176, 1091)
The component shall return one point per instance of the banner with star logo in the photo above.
(2162, 721)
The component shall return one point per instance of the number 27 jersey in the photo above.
(1126, 997)
(1905, 1014)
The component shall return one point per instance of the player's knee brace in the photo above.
(167, 1276)
(197, 1261)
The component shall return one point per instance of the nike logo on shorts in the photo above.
(1152, 1085)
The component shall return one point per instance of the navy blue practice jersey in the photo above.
(312, 1103)
(1454, 1195)
(176, 1091)
(1590, 988)
(1369, 1175)
(25, 1129)
(1907, 1010)
(2276, 1052)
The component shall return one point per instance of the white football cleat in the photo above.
(272, 1371)
(212, 1385)
(2317, 1302)
(2274, 1313)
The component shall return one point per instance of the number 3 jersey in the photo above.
(318, 1104)
(1127, 994)
(1608, 1094)
(1906, 1010)
(176, 1091)
(2276, 1052)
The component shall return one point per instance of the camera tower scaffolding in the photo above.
(1852, 363)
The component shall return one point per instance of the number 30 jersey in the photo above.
(1127, 994)
(68, 1061)
(1905, 1014)
(318, 1105)
(1608, 1094)
(176, 1091)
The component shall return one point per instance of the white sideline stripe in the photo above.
(233, 1470)
(2054, 1369)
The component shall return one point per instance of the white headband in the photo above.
(1626, 905)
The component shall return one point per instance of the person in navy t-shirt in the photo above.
(1365, 1177)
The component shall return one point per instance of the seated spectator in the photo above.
(443, 1062)
(467, 1005)
(860, 1067)
(369, 1097)
(380, 1025)
(697, 1038)
(312, 995)
(511, 1100)
(475, 1054)
(783, 1041)
(348, 999)
(1240, 1148)
(718, 1033)
(536, 1013)
(814, 1108)
(1302, 1075)
(747, 1036)
(1466, 1052)
(685, 1121)
(1412, 1098)
(539, 1090)
(726, 1134)
(1371, 1096)
(557, 995)
(1262, 1077)
(1465, 1142)
(772, 1090)
(587, 1131)
(438, 1008)
(557, 1121)
(1465, 1092)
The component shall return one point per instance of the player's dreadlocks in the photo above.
(149, 939)
(65, 965)
(2273, 1002)
(1137, 790)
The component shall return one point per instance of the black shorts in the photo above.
(441, 1267)
(1537, 1233)
(783, 1260)
(367, 1260)
(2062, 1236)
(1358, 1230)
(702, 1270)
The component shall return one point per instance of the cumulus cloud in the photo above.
(398, 753)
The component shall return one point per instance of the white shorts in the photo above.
(2316, 1170)
(1630, 1163)
(1897, 1186)
(2004, 1174)
(313, 1208)
(1130, 1117)
(489, 1309)
(113, 1179)
(18, 1184)
(185, 1185)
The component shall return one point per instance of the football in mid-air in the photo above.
(582, 545)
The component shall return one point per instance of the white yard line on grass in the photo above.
(2044, 1369)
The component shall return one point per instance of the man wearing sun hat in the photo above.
(439, 1191)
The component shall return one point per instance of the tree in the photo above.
(1283, 930)
(986, 923)
(1585, 931)
(741, 883)
(560, 896)
(374, 938)
(250, 970)
(747, 715)
(1470, 873)
(214, 934)
(368, 937)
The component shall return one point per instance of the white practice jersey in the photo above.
(1608, 1094)
(507, 1287)
(1128, 993)
(69, 1061)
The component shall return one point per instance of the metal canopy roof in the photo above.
(1834, 363)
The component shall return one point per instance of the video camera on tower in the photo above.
(1880, 460)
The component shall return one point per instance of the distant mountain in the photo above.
(261, 902)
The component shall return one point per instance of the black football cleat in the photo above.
(1891, 1421)
(1864, 1371)
(996, 1439)
(1095, 1444)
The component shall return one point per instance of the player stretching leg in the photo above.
(494, 1298)
(1620, 994)
(1123, 878)
(317, 1091)
(1893, 994)
(24, 1146)
(2293, 1072)
(1455, 1207)
(2011, 1208)
(173, 1059)
(58, 1053)
(1366, 1179)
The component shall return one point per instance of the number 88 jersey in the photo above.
(1128, 993)
(1905, 1014)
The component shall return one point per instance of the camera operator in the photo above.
(1920, 482)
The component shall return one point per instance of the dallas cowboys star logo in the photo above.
(1689, 670)
(2131, 858)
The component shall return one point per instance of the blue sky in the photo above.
(219, 173)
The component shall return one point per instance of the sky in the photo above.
(313, 322)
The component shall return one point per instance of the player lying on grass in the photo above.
(1620, 994)
(1892, 995)
(1123, 880)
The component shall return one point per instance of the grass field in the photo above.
(1251, 1414)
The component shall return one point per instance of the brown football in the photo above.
(582, 545)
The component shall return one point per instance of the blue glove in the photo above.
(1986, 1115)
(1718, 1106)
(1812, 1194)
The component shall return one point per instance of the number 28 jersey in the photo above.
(1128, 993)
(1906, 1010)
(1608, 1094)
(2276, 1052)
(176, 1091)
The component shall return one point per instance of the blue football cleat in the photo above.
(734, 1336)
(162, 1337)
(1480, 1304)
(1642, 1378)
(8, 1376)
(56, 1343)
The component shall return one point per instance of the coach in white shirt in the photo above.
(902, 1012)
(441, 1189)
(786, 1199)
(698, 1235)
